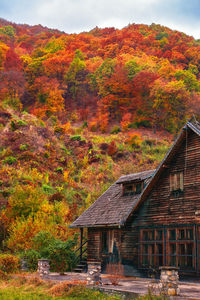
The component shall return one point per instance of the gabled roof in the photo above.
(111, 208)
(195, 127)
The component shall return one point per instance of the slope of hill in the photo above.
(51, 172)
(141, 74)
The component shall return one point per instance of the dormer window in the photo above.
(130, 189)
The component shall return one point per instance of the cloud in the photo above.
(81, 15)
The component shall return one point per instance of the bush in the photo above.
(134, 140)
(9, 263)
(21, 123)
(23, 147)
(15, 124)
(115, 129)
(31, 256)
(75, 138)
(59, 170)
(47, 189)
(92, 125)
(10, 160)
(115, 271)
(143, 123)
(59, 289)
(60, 254)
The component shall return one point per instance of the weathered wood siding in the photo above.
(163, 208)
(129, 244)
(94, 244)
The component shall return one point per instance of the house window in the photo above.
(132, 189)
(176, 181)
(171, 246)
(107, 241)
(151, 247)
(180, 248)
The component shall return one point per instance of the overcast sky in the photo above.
(83, 15)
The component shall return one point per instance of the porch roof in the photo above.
(111, 208)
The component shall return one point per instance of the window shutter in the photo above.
(175, 181)
(171, 182)
(181, 181)
(111, 241)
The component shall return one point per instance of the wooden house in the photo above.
(152, 218)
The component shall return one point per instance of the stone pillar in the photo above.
(169, 279)
(24, 265)
(94, 273)
(43, 267)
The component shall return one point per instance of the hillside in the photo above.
(139, 75)
(51, 172)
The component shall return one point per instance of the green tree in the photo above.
(189, 79)
(75, 78)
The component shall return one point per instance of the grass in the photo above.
(32, 288)
(76, 293)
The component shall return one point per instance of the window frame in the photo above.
(178, 247)
(134, 188)
(177, 182)
(153, 255)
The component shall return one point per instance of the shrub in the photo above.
(58, 129)
(25, 200)
(59, 170)
(59, 253)
(126, 120)
(75, 138)
(31, 256)
(46, 154)
(59, 289)
(23, 147)
(149, 142)
(132, 125)
(134, 140)
(143, 123)
(47, 189)
(10, 160)
(92, 125)
(9, 263)
(112, 148)
(77, 290)
(15, 124)
(85, 124)
(21, 123)
(115, 271)
(116, 129)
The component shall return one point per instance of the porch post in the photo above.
(81, 243)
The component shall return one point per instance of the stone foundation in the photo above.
(169, 279)
(94, 273)
(43, 267)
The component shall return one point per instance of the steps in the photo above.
(81, 267)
